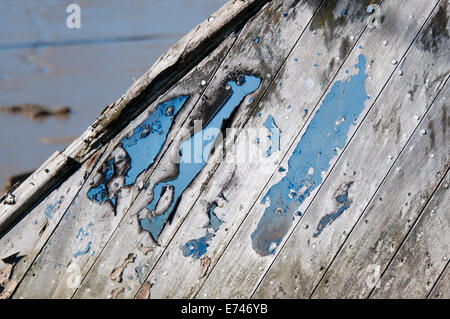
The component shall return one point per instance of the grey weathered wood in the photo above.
(424, 254)
(28, 236)
(386, 153)
(299, 273)
(240, 267)
(175, 63)
(391, 212)
(442, 288)
(100, 219)
(245, 57)
(300, 87)
(53, 171)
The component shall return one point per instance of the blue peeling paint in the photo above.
(195, 248)
(84, 251)
(142, 147)
(149, 137)
(50, 209)
(100, 193)
(198, 247)
(312, 155)
(194, 153)
(214, 221)
(329, 218)
(274, 136)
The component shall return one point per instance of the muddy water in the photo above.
(42, 61)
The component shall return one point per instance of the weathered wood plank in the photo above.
(28, 236)
(392, 211)
(244, 176)
(175, 63)
(241, 267)
(77, 240)
(17, 201)
(253, 53)
(442, 288)
(423, 256)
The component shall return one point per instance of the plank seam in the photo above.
(410, 230)
(438, 279)
(57, 225)
(254, 108)
(384, 178)
(290, 146)
(339, 157)
(157, 163)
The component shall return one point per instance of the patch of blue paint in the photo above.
(100, 193)
(149, 137)
(195, 248)
(274, 135)
(142, 147)
(198, 247)
(195, 152)
(312, 155)
(50, 209)
(214, 221)
(329, 218)
(84, 251)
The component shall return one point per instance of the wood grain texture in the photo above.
(37, 185)
(442, 288)
(175, 63)
(240, 267)
(244, 58)
(245, 169)
(392, 211)
(99, 221)
(265, 216)
(28, 236)
(423, 256)
(365, 162)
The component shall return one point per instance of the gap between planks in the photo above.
(278, 254)
(404, 51)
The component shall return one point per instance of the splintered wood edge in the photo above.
(176, 62)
